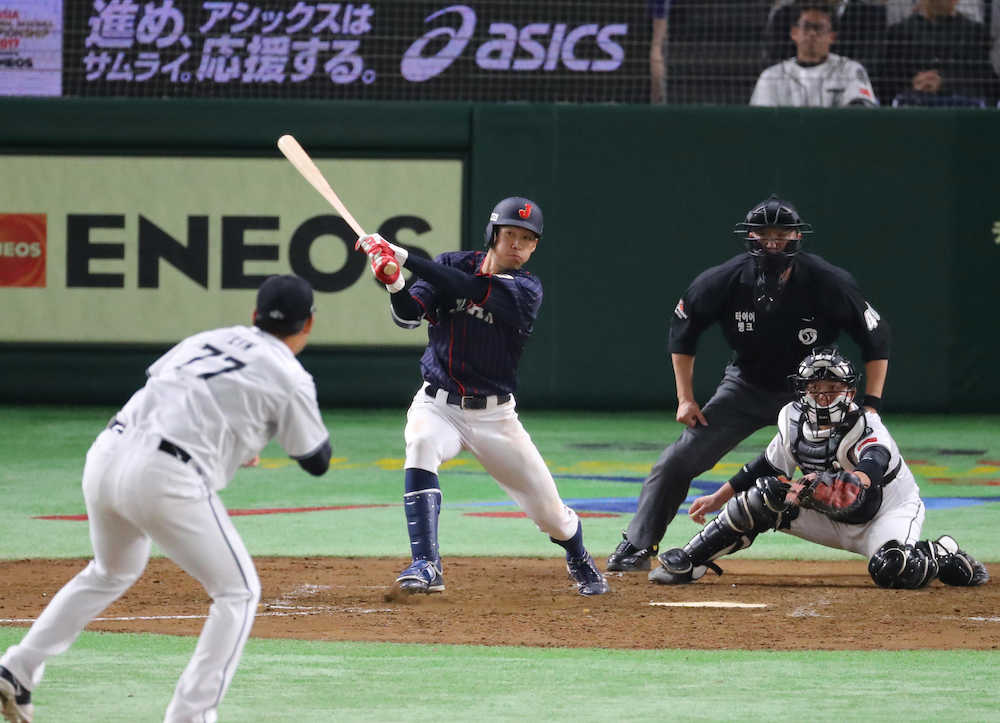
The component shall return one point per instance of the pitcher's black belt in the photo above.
(172, 449)
(469, 401)
(165, 444)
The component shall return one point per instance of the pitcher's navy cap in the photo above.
(285, 299)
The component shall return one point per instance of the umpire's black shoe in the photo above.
(15, 699)
(629, 558)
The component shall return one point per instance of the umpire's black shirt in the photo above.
(818, 302)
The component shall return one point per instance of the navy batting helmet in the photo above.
(515, 211)
(772, 213)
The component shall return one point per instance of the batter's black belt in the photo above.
(468, 401)
(165, 445)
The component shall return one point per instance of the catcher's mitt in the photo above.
(838, 495)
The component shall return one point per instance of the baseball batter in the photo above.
(209, 404)
(857, 493)
(481, 308)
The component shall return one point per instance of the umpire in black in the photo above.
(774, 304)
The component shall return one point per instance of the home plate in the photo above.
(708, 604)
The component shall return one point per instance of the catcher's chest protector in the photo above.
(825, 453)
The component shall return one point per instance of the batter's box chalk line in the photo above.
(707, 604)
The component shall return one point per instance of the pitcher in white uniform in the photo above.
(856, 493)
(209, 405)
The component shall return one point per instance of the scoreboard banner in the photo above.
(31, 47)
(151, 249)
(380, 50)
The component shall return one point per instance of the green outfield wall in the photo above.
(637, 201)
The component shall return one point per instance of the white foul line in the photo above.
(298, 611)
(708, 604)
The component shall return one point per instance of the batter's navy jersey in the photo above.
(819, 301)
(475, 345)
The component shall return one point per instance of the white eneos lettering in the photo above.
(20, 249)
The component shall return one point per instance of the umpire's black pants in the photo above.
(736, 410)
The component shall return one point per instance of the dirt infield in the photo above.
(504, 601)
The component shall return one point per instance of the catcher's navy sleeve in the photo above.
(748, 474)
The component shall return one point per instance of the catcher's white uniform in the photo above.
(836, 82)
(901, 516)
(210, 403)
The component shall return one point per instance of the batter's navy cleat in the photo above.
(589, 580)
(629, 558)
(15, 699)
(422, 576)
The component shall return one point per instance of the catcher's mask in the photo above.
(774, 213)
(825, 383)
(514, 211)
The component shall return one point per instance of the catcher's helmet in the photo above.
(514, 211)
(829, 365)
(772, 213)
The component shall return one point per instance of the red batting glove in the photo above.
(379, 264)
(373, 245)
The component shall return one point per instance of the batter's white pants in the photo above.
(136, 493)
(437, 431)
(901, 517)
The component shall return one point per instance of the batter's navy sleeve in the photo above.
(319, 461)
(406, 311)
(514, 298)
(449, 280)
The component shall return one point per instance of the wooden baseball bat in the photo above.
(298, 157)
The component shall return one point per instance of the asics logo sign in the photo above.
(417, 68)
(543, 46)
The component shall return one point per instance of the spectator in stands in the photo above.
(899, 10)
(861, 26)
(938, 56)
(658, 10)
(815, 76)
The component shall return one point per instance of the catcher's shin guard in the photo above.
(955, 566)
(895, 565)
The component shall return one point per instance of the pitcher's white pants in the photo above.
(136, 493)
(437, 431)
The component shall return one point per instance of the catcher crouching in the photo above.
(856, 492)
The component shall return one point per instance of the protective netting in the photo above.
(913, 52)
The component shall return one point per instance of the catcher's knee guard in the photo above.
(744, 517)
(955, 566)
(895, 565)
